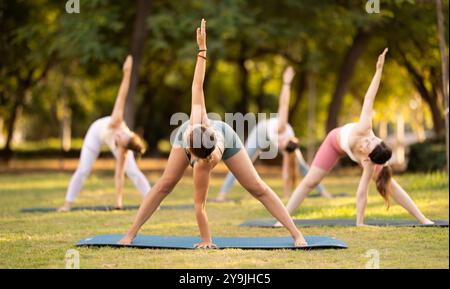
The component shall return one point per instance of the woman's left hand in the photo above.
(205, 245)
(201, 35)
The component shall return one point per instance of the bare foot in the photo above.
(205, 245)
(427, 222)
(326, 195)
(278, 225)
(65, 208)
(222, 197)
(364, 226)
(118, 205)
(126, 240)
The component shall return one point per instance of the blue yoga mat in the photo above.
(337, 195)
(172, 242)
(269, 223)
(106, 208)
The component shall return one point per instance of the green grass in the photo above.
(40, 240)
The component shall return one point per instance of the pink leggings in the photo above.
(329, 152)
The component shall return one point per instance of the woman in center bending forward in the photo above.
(202, 143)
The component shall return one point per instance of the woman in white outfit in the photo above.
(358, 141)
(113, 132)
(278, 134)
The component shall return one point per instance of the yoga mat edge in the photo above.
(269, 223)
(179, 242)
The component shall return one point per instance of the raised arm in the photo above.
(198, 109)
(283, 106)
(365, 119)
(119, 107)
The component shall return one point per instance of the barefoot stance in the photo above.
(205, 245)
(64, 208)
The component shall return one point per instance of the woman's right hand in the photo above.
(201, 35)
(127, 240)
(128, 64)
(381, 59)
(288, 75)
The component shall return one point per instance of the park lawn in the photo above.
(40, 240)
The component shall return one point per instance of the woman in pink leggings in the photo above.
(358, 141)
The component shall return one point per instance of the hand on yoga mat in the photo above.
(126, 240)
(205, 245)
(300, 242)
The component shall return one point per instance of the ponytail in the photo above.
(383, 183)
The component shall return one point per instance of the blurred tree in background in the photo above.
(62, 70)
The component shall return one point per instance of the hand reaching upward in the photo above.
(381, 58)
(201, 35)
(128, 64)
(288, 75)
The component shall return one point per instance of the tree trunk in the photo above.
(442, 46)
(312, 101)
(430, 97)
(345, 75)
(140, 33)
(242, 106)
(300, 89)
(15, 113)
(432, 100)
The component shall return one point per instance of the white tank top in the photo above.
(272, 131)
(107, 133)
(344, 140)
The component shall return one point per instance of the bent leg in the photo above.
(304, 169)
(402, 198)
(241, 166)
(314, 176)
(230, 179)
(135, 174)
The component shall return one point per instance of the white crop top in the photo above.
(107, 133)
(344, 140)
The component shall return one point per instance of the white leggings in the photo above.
(89, 154)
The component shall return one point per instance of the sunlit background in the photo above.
(60, 71)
